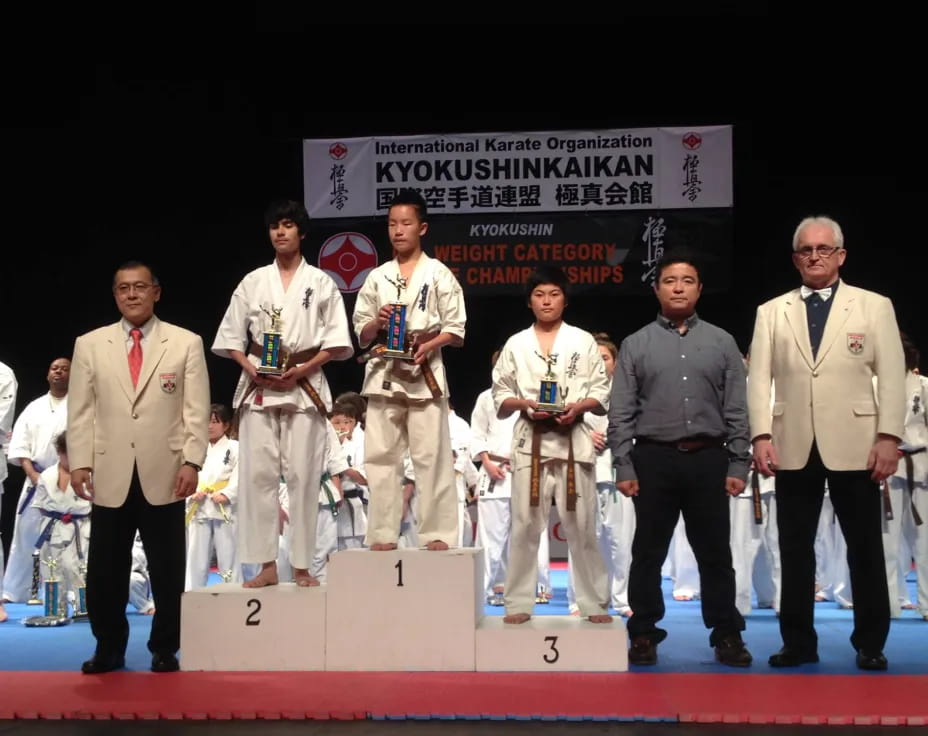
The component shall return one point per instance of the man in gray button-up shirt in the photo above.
(678, 431)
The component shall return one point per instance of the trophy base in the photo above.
(80, 616)
(551, 408)
(33, 602)
(270, 371)
(46, 621)
(398, 354)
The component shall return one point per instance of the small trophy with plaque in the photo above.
(551, 398)
(271, 353)
(56, 602)
(396, 328)
(80, 607)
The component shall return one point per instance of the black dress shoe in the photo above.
(166, 662)
(100, 663)
(731, 651)
(791, 658)
(642, 651)
(871, 661)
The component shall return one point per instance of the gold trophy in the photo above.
(271, 353)
(551, 398)
(56, 604)
(396, 327)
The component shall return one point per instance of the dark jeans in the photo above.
(857, 503)
(109, 564)
(671, 482)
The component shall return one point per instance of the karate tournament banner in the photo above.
(604, 205)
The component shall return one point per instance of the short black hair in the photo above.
(679, 255)
(127, 265)
(347, 409)
(61, 443)
(911, 353)
(221, 412)
(287, 209)
(546, 275)
(414, 199)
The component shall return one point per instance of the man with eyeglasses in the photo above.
(138, 413)
(817, 349)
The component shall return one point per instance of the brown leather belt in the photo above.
(693, 444)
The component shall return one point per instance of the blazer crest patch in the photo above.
(168, 382)
(855, 343)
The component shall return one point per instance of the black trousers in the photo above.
(671, 482)
(857, 503)
(109, 564)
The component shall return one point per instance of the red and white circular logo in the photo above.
(338, 151)
(692, 141)
(348, 258)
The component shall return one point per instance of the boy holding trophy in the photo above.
(413, 306)
(552, 374)
(285, 321)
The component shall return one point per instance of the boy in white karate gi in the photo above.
(552, 453)
(352, 521)
(408, 400)
(283, 417)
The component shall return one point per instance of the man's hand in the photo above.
(186, 483)
(493, 470)
(383, 316)
(765, 456)
(82, 483)
(285, 382)
(734, 486)
(628, 488)
(599, 441)
(883, 459)
(422, 351)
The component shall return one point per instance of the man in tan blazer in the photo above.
(821, 345)
(137, 436)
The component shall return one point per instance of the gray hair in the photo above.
(823, 221)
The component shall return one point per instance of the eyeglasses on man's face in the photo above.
(821, 251)
(140, 287)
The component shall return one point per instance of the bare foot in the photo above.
(516, 618)
(600, 618)
(625, 612)
(3, 614)
(436, 545)
(267, 576)
(149, 612)
(303, 579)
(683, 597)
(383, 547)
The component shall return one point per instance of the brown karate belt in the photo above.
(755, 497)
(427, 373)
(538, 429)
(292, 359)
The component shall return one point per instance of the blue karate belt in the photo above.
(30, 493)
(53, 518)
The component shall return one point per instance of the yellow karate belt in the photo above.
(209, 490)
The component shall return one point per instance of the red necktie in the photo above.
(135, 355)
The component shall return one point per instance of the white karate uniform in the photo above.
(336, 463)
(352, 520)
(580, 370)
(65, 539)
(281, 432)
(755, 548)
(465, 475)
(212, 526)
(895, 546)
(402, 414)
(493, 435)
(139, 583)
(615, 527)
(33, 438)
(409, 535)
(7, 408)
(683, 567)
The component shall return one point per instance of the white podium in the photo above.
(228, 627)
(406, 609)
(552, 644)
